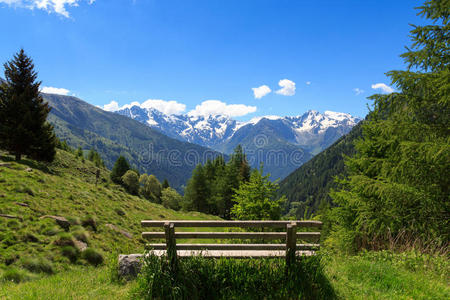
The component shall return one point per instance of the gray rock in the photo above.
(130, 265)
(121, 231)
(80, 245)
(28, 169)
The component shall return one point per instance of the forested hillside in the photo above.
(149, 151)
(308, 187)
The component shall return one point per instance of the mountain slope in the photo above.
(148, 150)
(308, 186)
(281, 143)
(67, 188)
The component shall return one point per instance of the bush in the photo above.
(81, 235)
(200, 278)
(64, 239)
(38, 265)
(130, 181)
(92, 256)
(171, 199)
(71, 253)
(16, 275)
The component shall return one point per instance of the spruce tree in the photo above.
(397, 186)
(165, 184)
(119, 169)
(24, 129)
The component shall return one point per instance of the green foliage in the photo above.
(171, 199)
(150, 188)
(165, 184)
(95, 157)
(130, 180)
(200, 278)
(71, 253)
(120, 168)
(255, 199)
(16, 275)
(92, 256)
(24, 129)
(397, 187)
(38, 265)
(307, 188)
(212, 186)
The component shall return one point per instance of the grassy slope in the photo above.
(67, 188)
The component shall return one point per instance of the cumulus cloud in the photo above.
(167, 107)
(54, 90)
(261, 91)
(51, 6)
(383, 87)
(216, 107)
(308, 83)
(287, 87)
(358, 91)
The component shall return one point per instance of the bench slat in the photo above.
(209, 223)
(233, 246)
(232, 254)
(231, 235)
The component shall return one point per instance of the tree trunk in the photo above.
(18, 156)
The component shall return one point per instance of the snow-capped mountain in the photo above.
(312, 131)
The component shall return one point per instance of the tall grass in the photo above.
(203, 278)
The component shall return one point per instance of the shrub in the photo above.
(16, 275)
(81, 235)
(38, 265)
(71, 253)
(64, 239)
(92, 256)
(171, 199)
(130, 181)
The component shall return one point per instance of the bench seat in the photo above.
(232, 253)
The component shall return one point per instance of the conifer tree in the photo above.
(24, 129)
(165, 184)
(196, 192)
(119, 169)
(397, 185)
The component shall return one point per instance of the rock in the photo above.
(61, 221)
(129, 265)
(28, 169)
(80, 245)
(10, 217)
(90, 222)
(6, 165)
(22, 204)
(123, 232)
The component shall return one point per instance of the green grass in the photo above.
(77, 283)
(67, 188)
(385, 275)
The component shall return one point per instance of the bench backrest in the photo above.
(290, 236)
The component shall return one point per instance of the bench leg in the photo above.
(171, 246)
(291, 243)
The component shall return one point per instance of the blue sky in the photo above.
(187, 52)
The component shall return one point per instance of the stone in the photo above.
(10, 216)
(130, 265)
(80, 245)
(61, 221)
(6, 165)
(28, 169)
(22, 204)
(121, 231)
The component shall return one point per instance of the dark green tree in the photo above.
(130, 181)
(119, 169)
(24, 129)
(165, 184)
(398, 183)
(197, 191)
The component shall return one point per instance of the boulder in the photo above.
(28, 169)
(61, 221)
(80, 245)
(130, 265)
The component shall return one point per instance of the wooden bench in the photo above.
(289, 248)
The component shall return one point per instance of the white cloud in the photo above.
(308, 83)
(358, 91)
(383, 87)
(54, 90)
(261, 91)
(167, 107)
(112, 106)
(216, 107)
(287, 87)
(51, 6)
